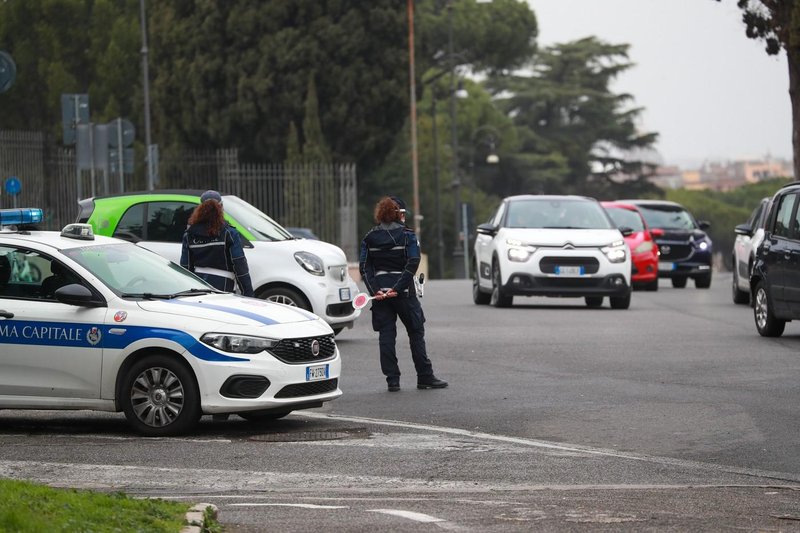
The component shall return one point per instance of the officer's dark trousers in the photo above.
(384, 321)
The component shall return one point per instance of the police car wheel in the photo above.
(257, 416)
(160, 397)
(285, 296)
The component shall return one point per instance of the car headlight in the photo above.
(229, 342)
(615, 252)
(518, 251)
(702, 245)
(312, 263)
(643, 247)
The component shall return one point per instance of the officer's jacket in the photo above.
(222, 252)
(389, 258)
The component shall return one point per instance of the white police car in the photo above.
(92, 322)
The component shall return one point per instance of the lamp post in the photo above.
(438, 206)
(491, 140)
(146, 94)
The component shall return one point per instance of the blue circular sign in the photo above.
(13, 186)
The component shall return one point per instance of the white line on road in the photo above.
(417, 517)
(303, 505)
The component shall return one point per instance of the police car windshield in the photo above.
(133, 272)
(260, 225)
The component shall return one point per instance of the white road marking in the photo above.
(303, 505)
(417, 517)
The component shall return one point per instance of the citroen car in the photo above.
(305, 273)
(558, 246)
(114, 327)
(684, 247)
(644, 251)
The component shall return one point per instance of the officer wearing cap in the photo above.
(212, 248)
(388, 261)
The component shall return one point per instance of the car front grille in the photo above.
(298, 351)
(342, 309)
(308, 389)
(573, 283)
(244, 386)
(590, 264)
(674, 252)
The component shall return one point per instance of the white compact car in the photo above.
(302, 272)
(561, 246)
(92, 322)
(748, 236)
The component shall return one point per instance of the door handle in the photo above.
(6, 314)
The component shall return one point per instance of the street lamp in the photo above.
(438, 207)
(490, 138)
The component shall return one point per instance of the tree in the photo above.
(576, 135)
(777, 23)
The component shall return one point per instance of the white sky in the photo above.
(709, 91)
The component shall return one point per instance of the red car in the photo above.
(644, 251)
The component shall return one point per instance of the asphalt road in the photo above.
(672, 415)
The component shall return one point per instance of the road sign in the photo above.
(128, 133)
(127, 160)
(74, 111)
(13, 186)
(8, 72)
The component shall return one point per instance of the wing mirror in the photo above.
(487, 229)
(625, 230)
(657, 232)
(743, 229)
(77, 294)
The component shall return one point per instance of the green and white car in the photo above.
(309, 274)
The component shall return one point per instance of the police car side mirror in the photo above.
(77, 294)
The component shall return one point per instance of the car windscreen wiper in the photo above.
(192, 292)
(154, 296)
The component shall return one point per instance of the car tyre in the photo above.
(739, 296)
(767, 324)
(498, 297)
(651, 285)
(594, 301)
(285, 296)
(679, 282)
(159, 396)
(260, 416)
(702, 281)
(478, 296)
(620, 302)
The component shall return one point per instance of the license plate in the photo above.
(315, 373)
(666, 266)
(344, 295)
(569, 271)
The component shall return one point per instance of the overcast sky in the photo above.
(709, 91)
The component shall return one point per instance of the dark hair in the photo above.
(386, 211)
(209, 212)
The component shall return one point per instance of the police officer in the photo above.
(388, 261)
(212, 248)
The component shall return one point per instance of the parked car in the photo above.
(683, 245)
(115, 327)
(305, 273)
(748, 237)
(644, 251)
(560, 246)
(775, 278)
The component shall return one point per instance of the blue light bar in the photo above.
(15, 217)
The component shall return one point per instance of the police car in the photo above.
(107, 325)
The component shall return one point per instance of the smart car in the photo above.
(684, 248)
(310, 274)
(644, 251)
(775, 278)
(559, 246)
(115, 327)
(748, 237)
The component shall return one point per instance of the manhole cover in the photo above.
(327, 434)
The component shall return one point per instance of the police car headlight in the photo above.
(615, 251)
(312, 263)
(228, 342)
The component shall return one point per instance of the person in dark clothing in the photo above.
(388, 262)
(212, 248)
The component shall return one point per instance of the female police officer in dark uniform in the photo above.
(388, 261)
(212, 248)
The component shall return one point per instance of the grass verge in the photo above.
(31, 508)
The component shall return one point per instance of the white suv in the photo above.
(562, 246)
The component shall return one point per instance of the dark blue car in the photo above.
(684, 247)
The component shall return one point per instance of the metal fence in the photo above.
(321, 197)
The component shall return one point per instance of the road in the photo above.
(672, 415)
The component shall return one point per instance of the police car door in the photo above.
(48, 349)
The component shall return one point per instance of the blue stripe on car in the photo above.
(76, 335)
(257, 317)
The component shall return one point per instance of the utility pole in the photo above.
(146, 90)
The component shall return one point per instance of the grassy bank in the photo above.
(31, 508)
